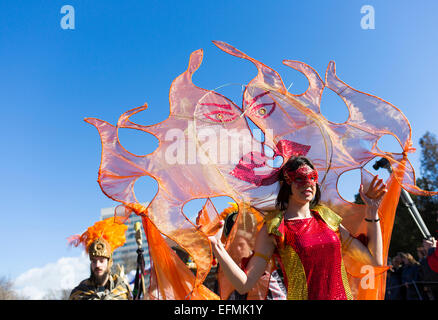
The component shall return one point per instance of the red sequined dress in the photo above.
(310, 254)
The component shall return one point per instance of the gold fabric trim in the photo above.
(295, 274)
(273, 221)
(330, 218)
(117, 289)
(345, 281)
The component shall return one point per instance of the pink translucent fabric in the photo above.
(186, 167)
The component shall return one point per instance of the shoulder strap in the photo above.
(329, 216)
(273, 220)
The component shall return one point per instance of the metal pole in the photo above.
(407, 201)
(418, 291)
(140, 260)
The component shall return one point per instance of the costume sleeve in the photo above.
(81, 292)
(74, 295)
(275, 226)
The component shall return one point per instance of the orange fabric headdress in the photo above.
(111, 230)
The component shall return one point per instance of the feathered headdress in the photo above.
(102, 238)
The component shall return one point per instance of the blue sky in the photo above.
(122, 54)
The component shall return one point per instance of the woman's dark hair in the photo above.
(285, 190)
(229, 223)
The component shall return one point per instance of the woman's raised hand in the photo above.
(374, 195)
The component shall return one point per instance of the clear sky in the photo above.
(122, 54)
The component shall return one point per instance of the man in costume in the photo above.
(102, 284)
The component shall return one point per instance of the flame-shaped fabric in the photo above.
(206, 149)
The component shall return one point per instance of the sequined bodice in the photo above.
(312, 260)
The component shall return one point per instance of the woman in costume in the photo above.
(307, 239)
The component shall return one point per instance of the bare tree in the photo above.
(62, 294)
(6, 291)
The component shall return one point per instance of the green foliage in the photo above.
(406, 236)
(429, 161)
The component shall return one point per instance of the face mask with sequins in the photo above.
(302, 176)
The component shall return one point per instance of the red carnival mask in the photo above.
(302, 176)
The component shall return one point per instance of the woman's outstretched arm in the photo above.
(243, 282)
